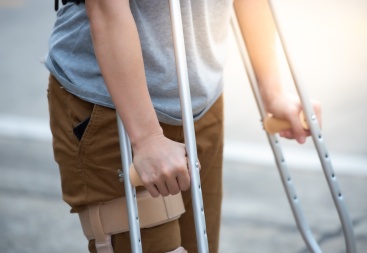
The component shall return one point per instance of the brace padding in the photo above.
(111, 217)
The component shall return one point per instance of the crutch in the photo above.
(318, 140)
(190, 143)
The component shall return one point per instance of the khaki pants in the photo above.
(88, 168)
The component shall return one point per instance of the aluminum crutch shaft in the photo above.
(190, 143)
(321, 149)
(130, 192)
(188, 125)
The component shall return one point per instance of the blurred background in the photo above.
(327, 41)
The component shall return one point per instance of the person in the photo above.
(117, 55)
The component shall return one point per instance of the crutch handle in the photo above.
(134, 177)
(274, 125)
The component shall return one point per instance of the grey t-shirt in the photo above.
(72, 61)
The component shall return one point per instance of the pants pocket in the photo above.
(88, 165)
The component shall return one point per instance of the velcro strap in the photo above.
(109, 218)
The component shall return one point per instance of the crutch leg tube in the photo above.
(322, 152)
(188, 125)
(309, 121)
(190, 143)
(276, 148)
(130, 192)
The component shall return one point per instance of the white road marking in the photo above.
(242, 152)
(24, 128)
(296, 158)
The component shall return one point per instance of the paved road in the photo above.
(256, 215)
(328, 42)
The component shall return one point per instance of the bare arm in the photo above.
(160, 162)
(259, 32)
(118, 51)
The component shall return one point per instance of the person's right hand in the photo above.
(161, 165)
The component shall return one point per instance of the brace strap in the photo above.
(100, 221)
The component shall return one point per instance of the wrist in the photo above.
(270, 94)
(145, 137)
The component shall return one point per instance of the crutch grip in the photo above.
(274, 125)
(134, 177)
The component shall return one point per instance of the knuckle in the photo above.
(145, 180)
(182, 170)
(152, 179)
(293, 111)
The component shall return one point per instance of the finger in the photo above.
(298, 132)
(162, 188)
(301, 139)
(288, 134)
(172, 185)
(153, 191)
(183, 180)
(154, 186)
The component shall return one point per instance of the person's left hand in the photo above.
(288, 107)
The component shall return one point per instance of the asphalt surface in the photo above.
(328, 41)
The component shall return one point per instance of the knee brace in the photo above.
(100, 221)
(178, 250)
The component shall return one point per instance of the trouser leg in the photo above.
(209, 138)
(89, 165)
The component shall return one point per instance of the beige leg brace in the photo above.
(178, 250)
(103, 241)
(102, 220)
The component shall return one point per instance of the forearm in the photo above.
(119, 55)
(259, 32)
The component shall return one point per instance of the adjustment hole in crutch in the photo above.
(326, 155)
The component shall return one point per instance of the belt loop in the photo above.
(102, 240)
